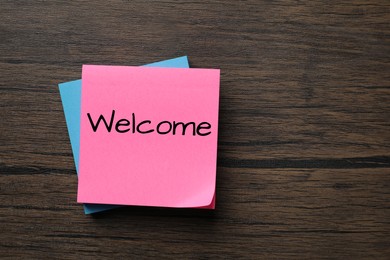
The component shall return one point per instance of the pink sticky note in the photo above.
(157, 144)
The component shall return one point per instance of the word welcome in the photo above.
(146, 127)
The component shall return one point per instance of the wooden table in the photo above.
(304, 143)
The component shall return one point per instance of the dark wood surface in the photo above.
(304, 144)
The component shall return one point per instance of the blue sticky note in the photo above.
(71, 101)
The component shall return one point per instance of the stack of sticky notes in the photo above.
(144, 136)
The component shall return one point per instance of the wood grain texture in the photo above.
(304, 143)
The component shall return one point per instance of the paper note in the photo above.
(148, 136)
(71, 101)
